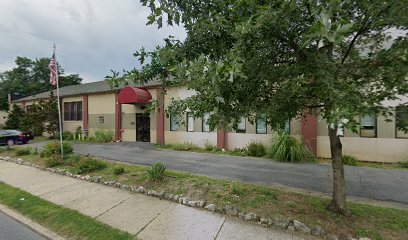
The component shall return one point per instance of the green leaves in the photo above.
(248, 57)
(29, 77)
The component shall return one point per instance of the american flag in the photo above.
(53, 70)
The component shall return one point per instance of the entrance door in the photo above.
(142, 127)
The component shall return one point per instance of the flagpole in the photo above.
(59, 106)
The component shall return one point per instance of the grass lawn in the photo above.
(365, 220)
(65, 222)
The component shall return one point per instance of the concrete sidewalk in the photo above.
(145, 217)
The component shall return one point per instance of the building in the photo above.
(96, 105)
(3, 117)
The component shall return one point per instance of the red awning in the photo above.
(130, 95)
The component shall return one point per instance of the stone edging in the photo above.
(278, 222)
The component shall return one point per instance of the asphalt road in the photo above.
(361, 182)
(10, 229)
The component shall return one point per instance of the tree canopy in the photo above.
(30, 77)
(334, 59)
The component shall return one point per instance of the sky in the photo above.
(92, 36)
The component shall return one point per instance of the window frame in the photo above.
(73, 111)
(204, 122)
(395, 126)
(289, 131)
(256, 126)
(188, 115)
(375, 126)
(242, 130)
(173, 117)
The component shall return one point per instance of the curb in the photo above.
(37, 228)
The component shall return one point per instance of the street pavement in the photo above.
(10, 229)
(143, 216)
(387, 185)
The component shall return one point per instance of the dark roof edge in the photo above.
(24, 99)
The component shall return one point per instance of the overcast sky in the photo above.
(92, 36)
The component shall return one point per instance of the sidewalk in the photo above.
(145, 217)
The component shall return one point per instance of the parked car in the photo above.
(28, 134)
(11, 137)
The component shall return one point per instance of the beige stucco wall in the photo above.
(71, 125)
(181, 135)
(197, 138)
(235, 140)
(368, 149)
(384, 148)
(101, 105)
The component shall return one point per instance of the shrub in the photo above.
(89, 164)
(101, 135)
(23, 151)
(54, 148)
(349, 160)
(72, 160)
(404, 164)
(35, 152)
(156, 172)
(118, 171)
(256, 149)
(53, 161)
(239, 151)
(209, 147)
(184, 147)
(286, 148)
(66, 135)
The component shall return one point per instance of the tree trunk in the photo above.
(338, 202)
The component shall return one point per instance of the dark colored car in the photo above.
(29, 134)
(11, 137)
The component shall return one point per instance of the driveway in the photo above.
(361, 182)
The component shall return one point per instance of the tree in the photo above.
(30, 77)
(333, 59)
(33, 119)
(50, 108)
(15, 117)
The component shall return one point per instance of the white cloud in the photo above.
(92, 36)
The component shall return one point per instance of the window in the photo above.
(287, 126)
(401, 121)
(241, 127)
(173, 123)
(261, 124)
(206, 126)
(73, 111)
(190, 122)
(368, 126)
(101, 119)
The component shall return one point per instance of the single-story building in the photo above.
(3, 117)
(97, 105)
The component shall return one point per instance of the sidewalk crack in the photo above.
(147, 224)
(219, 230)
(113, 207)
(57, 189)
